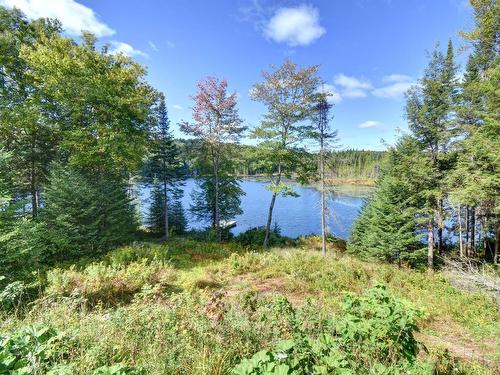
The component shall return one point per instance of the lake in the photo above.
(295, 216)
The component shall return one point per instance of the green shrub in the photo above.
(255, 237)
(31, 350)
(375, 332)
(12, 295)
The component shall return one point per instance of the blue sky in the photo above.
(369, 51)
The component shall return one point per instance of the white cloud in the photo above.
(399, 84)
(396, 90)
(153, 46)
(334, 96)
(298, 26)
(370, 124)
(126, 49)
(352, 87)
(397, 78)
(74, 17)
(177, 106)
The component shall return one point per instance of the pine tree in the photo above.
(430, 113)
(177, 222)
(229, 199)
(165, 171)
(389, 227)
(84, 215)
(475, 182)
(324, 136)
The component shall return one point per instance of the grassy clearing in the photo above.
(190, 307)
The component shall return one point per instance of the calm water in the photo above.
(295, 216)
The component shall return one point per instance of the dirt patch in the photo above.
(459, 344)
(266, 287)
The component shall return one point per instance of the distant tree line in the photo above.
(339, 164)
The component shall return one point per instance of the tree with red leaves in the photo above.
(216, 124)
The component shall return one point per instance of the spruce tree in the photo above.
(84, 215)
(430, 114)
(389, 226)
(164, 170)
(177, 222)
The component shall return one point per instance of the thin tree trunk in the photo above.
(33, 192)
(440, 227)
(497, 242)
(460, 232)
(467, 230)
(473, 230)
(485, 237)
(165, 202)
(270, 213)
(323, 207)
(430, 243)
(216, 188)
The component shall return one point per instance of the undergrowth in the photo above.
(190, 307)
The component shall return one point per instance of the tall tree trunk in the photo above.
(473, 230)
(440, 227)
(460, 231)
(323, 203)
(270, 212)
(33, 191)
(497, 242)
(430, 243)
(467, 230)
(216, 191)
(165, 204)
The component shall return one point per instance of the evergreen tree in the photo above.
(324, 136)
(431, 119)
(389, 226)
(475, 182)
(84, 215)
(164, 169)
(177, 222)
(229, 199)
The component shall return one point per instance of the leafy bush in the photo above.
(12, 295)
(375, 332)
(31, 350)
(378, 326)
(255, 237)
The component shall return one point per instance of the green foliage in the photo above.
(31, 350)
(177, 221)
(388, 226)
(84, 215)
(12, 294)
(203, 199)
(164, 170)
(164, 307)
(375, 333)
(255, 237)
(355, 163)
